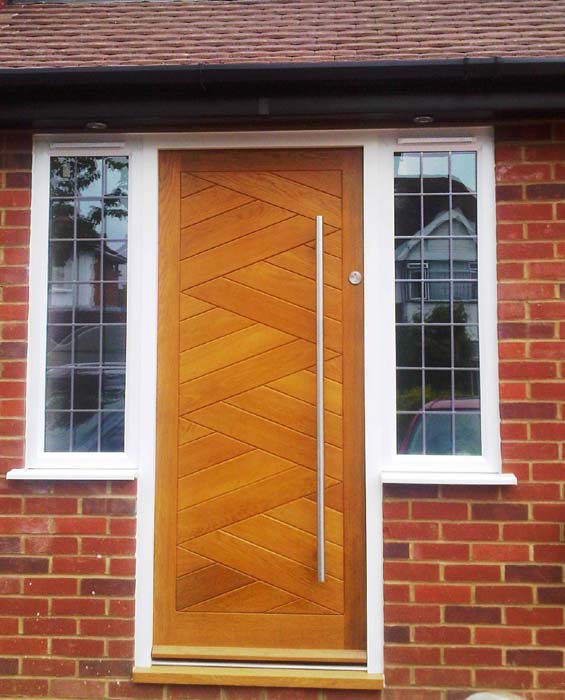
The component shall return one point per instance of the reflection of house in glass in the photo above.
(96, 261)
(437, 264)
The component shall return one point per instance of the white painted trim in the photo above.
(70, 474)
(144, 599)
(427, 140)
(379, 380)
(75, 465)
(148, 390)
(380, 295)
(82, 145)
(475, 479)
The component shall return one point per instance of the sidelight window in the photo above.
(437, 321)
(86, 304)
(83, 380)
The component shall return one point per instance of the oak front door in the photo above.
(238, 536)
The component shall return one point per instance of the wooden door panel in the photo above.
(288, 286)
(236, 528)
(244, 251)
(208, 203)
(229, 226)
(271, 188)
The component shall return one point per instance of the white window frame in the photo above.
(382, 463)
(438, 469)
(40, 464)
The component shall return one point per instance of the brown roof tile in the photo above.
(154, 32)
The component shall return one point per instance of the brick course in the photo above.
(474, 575)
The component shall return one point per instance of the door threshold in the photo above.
(261, 676)
(248, 663)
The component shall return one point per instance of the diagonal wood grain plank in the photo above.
(288, 286)
(255, 597)
(206, 451)
(229, 349)
(237, 505)
(244, 251)
(290, 412)
(265, 309)
(208, 203)
(189, 431)
(333, 496)
(289, 542)
(302, 513)
(333, 369)
(302, 607)
(332, 244)
(203, 583)
(188, 562)
(271, 188)
(229, 225)
(227, 476)
(191, 184)
(209, 326)
(326, 180)
(302, 260)
(270, 567)
(189, 306)
(245, 375)
(302, 385)
(266, 435)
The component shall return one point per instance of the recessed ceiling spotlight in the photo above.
(423, 119)
(96, 126)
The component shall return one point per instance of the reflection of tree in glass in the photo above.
(88, 172)
(119, 169)
(62, 214)
(440, 346)
(62, 176)
(436, 346)
(115, 208)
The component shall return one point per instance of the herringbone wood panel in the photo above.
(245, 503)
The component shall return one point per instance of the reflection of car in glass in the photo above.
(438, 429)
(96, 421)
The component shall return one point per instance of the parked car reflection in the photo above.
(434, 427)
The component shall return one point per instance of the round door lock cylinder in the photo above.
(355, 277)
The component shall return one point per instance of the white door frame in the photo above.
(377, 178)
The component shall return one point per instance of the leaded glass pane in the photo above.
(86, 333)
(437, 331)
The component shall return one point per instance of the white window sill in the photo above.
(69, 474)
(471, 479)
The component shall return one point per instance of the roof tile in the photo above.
(156, 32)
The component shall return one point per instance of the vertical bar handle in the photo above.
(321, 535)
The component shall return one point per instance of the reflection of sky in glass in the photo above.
(460, 166)
(463, 168)
(435, 165)
(407, 165)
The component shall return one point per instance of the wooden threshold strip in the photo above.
(323, 656)
(263, 677)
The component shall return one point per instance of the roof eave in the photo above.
(170, 96)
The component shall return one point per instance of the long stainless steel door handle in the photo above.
(320, 396)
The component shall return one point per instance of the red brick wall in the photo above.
(474, 576)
